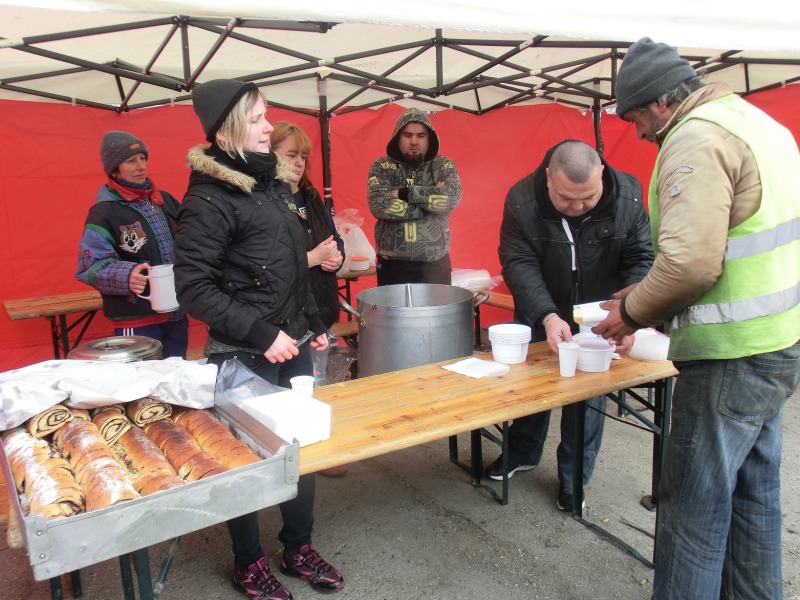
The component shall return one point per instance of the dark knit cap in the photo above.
(648, 71)
(214, 99)
(119, 146)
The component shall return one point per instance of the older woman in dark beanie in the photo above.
(130, 228)
(241, 268)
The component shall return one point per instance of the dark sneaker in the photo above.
(564, 501)
(258, 582)
(309, 565)
(495, 470)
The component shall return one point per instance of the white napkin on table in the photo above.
(476, 368)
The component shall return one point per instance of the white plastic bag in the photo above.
(348, 224)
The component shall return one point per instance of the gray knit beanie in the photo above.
(214, 99)
(119, 146)
(648, 71)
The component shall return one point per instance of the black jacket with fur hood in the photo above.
(240, 256)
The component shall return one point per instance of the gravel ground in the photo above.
(409, 524)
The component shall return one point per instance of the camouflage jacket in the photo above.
(416, 228)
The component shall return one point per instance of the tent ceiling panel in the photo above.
(122, 61)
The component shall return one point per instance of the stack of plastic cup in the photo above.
(509, 342)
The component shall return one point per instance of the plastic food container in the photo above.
(509, 342)
(649, 345)
(594, 356)
(359, 263)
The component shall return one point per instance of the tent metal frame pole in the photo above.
(386, 73)
(484, 71)
(324, 132)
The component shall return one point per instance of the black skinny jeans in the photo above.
(297, 513)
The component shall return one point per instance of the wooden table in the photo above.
(392, 411)
(375, 415)
(55, 309)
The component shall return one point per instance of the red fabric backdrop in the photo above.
(50, 171)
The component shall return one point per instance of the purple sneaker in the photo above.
(258, 582)
(309, 565)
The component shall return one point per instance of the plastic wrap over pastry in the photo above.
(146, 410)
(182, 451)
(102, 478)
(48, 421)
(147, 466)
(112, 424)
(215, 438)
(42, 475)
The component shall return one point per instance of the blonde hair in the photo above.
(281, 132)
(233, 131)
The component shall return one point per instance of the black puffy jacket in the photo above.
(613, 247)
(240, 257)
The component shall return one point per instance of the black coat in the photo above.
(240, 257)
(613, 247)
(324, 284)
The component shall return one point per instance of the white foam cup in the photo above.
(567, 358)
(303, 384)
(162, 289)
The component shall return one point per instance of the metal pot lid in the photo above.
(121, 348)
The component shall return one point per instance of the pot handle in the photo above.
(354, 312)
(476, 302)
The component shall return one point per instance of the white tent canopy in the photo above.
(463, 54)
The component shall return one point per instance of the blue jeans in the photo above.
(173, 335)
(719, 495)
(526, 437)
(297, 513)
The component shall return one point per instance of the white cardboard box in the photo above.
(292, 416)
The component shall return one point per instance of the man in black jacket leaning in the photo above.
(574, 231)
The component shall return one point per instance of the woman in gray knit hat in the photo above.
(129, 229)
(241, 268)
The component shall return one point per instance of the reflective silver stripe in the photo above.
(763, 241)
(740, 310)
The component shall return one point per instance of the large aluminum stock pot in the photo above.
(408, 325)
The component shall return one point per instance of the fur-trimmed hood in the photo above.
(199, 160)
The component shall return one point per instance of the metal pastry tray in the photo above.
(58, 546)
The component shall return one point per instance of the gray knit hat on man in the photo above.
(214, 99)
(648, 71)
(119, 146)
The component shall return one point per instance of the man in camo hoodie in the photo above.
(411, 192)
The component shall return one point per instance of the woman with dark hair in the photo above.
(324, 245)
(241, 268)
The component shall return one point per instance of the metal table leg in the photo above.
(577, 490)
(141, 563)
(475, 468)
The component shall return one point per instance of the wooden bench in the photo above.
(56, 309)
(345, 328)
(500, 300)
(505, 301)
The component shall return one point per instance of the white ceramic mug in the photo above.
(162, 289)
